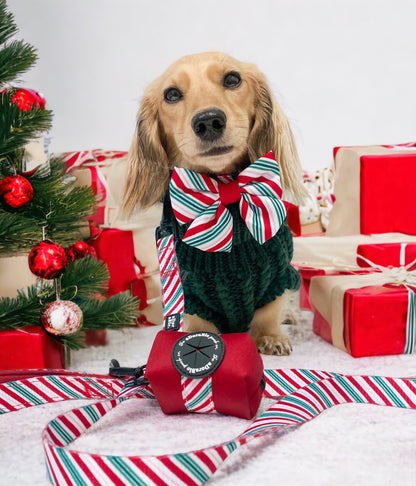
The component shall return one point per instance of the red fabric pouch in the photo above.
(204, 372)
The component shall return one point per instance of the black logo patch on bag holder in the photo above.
(198, 354)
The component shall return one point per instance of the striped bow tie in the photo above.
(202, 200)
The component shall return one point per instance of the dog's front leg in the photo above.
(265, 327)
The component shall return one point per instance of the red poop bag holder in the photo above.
(198, 372)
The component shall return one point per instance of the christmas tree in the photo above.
(43, 215)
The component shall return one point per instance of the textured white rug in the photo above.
(348, 445)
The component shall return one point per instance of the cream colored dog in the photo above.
(213, 114)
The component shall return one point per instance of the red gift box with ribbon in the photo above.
(116, 248)
(93, 168)
(387, 255)
(373, 190)
(364, 315)
(307, 274)
(30, 347)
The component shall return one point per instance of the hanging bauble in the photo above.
(78, 250)
(16, 190)
(47, 259)
(26, 99)
(62, 317)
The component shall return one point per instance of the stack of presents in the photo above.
(126, 246)
(354, 246)
(359, 272)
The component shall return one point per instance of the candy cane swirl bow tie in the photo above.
(202, 200)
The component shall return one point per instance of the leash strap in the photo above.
(306, 394)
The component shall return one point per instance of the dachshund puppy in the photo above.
(215, 115)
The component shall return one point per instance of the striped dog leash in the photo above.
(301, 396)
(304, 394)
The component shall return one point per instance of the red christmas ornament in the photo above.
(16, 190)
(26, 99)
(62, 317)
(78, 250)
(47, 260)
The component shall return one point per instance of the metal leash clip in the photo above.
(117, 370)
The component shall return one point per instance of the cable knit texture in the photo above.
(226, 288)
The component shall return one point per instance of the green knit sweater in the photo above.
(226, 288)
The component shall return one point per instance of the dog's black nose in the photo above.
(209, 125)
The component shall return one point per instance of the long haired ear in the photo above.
(148, 167)
(271, 131)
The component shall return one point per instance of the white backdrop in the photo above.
(343, 70)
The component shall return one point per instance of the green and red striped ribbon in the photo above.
(201, 200)
(305, 394)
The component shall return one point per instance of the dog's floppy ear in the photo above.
(148, 168)
(271, 131)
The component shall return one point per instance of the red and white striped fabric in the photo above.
(173, 299)
(306, 394)
(86, 157)
(202, 200)
(197, 394)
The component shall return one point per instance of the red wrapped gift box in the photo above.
(373, 190)
(360, 318)
(306, 275)
(388, 185)
(387, 255)
(30, 348)
(116, 248)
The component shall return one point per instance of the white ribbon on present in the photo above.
(402, 275)
(336, 285)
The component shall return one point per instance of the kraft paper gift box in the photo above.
(374, 189)
(30, 347)
(104, 171)
(334, 255)
(307, 274)
(364, 315)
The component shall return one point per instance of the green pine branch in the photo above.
(56, 205)
(17, 56)
(81, 282)
(8, 27)
(115, 311)
(18, 127)
(85, 277)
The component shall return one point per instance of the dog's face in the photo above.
(206, 110)
(210, 113)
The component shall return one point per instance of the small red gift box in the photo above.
(363, 314)
(387, 255)
(374, 188)
(30, 348)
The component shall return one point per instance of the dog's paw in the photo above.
(274, 345)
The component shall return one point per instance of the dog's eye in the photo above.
(231, 80)
(172, 95)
